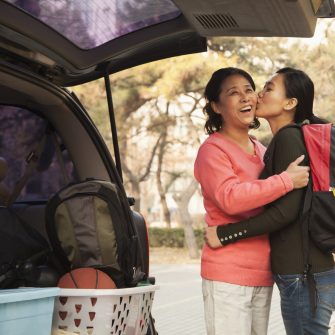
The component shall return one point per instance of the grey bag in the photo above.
(89, 225)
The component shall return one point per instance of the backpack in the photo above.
(88, 225)
(318, 212)
(319, 204)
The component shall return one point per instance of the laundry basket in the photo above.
(104, 312)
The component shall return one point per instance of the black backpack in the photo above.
(88, 225)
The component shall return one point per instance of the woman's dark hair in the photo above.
(215, 121)
(300, 86)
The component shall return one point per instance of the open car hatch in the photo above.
(71, 42)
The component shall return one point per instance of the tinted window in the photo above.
(21, 131)
(91, 23)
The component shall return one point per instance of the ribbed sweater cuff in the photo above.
(287, 181)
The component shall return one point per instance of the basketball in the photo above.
(87, 278)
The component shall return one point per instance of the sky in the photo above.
(319, 32)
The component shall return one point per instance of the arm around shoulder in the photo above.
(288, 146)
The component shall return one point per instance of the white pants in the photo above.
(236, 310)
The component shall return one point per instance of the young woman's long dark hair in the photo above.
(214, 121)
(300, 86)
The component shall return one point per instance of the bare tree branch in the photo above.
(152, 155)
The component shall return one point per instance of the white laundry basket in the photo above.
(104, 312)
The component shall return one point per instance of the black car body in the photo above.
(45, 48)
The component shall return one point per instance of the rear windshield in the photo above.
(91, 23)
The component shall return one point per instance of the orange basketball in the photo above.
(86, 278)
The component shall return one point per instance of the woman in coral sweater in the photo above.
(237, 280)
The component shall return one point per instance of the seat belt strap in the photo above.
(60, 158)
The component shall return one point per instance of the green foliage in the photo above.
(172, 237)
(155, 120)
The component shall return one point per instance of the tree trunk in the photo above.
(161, 190)
(136, 194)
(134, 179)
(186, 221)
(182, 200)
(166, 212)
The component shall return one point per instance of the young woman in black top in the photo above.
(286, 99)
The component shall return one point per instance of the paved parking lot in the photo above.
(178, 307)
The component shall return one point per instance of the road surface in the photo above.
(178, 307)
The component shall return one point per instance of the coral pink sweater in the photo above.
(228, 178)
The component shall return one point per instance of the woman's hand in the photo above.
(211, 238)
(298, 174)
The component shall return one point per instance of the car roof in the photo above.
(94, 38)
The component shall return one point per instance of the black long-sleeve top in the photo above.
(281, 217)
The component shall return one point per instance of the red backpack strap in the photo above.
(332, 159)
(318, 143)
